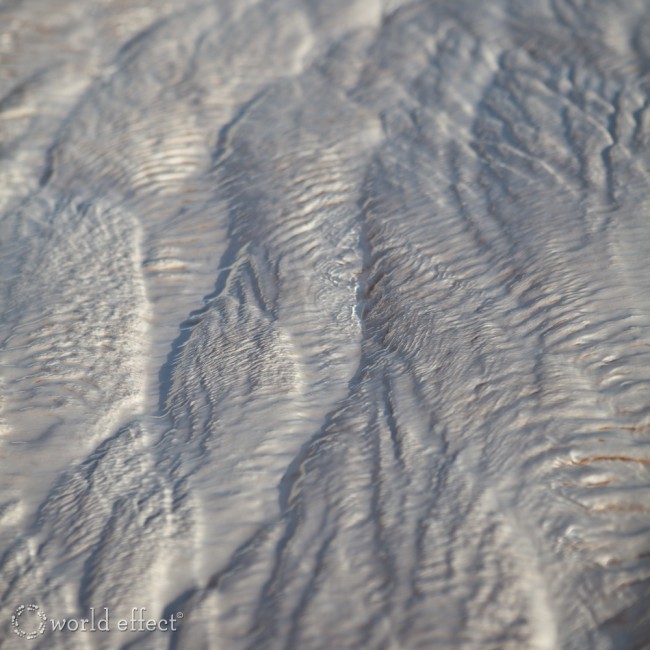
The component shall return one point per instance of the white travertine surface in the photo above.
(325, 324)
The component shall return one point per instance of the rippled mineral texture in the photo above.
(325, 325)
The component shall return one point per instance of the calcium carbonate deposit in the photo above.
(325, 325)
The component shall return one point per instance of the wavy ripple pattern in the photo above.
(326, 323)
